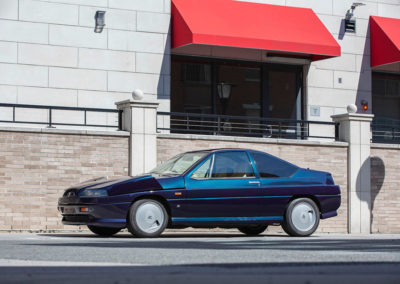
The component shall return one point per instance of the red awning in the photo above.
(273, 28)
(385, 40)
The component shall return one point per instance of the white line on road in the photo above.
(41, 263)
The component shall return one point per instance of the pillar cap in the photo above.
(135, 103)
(352, 117)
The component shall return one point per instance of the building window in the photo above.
(386, 97)
(255, 89)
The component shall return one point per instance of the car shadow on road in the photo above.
(168, 235)
(260, 243)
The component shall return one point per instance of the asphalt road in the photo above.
(199, 257)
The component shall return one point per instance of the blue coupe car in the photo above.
(227, 188)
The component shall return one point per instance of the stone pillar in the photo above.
(139, 118)
(355, 129)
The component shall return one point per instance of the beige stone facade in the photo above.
(35, 169)
(385, 189)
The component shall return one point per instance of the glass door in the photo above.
(282, 99)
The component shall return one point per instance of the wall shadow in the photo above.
(378, 172)
(163, 87)
(376, 168)
(364, 88)
(341, 30)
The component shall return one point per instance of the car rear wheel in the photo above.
(148, 218)
(252, 230)
(301, 218)
(103, 231)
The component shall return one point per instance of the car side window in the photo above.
(204, 170)
(232, 165)
(269, 166)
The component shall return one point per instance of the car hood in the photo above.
(126, 185)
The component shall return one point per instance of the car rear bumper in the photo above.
(103, 215)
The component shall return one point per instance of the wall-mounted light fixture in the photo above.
(99, 21)
(364, 105)
(224, 90)
(350, 20)
(224, 93)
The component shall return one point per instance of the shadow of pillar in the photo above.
(378, 172)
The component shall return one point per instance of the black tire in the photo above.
(103, 231)
(134, 227)
(289, 225)
(253, 230)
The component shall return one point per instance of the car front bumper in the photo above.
(102, 215)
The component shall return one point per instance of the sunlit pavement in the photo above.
(199, 257)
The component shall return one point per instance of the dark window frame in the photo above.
(265, 68)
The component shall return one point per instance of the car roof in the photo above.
(241, 149)
(222, 150)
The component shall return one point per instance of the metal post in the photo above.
(337, 132)
(279, 129)
(218, 125)
(120, 119)
(50, 118)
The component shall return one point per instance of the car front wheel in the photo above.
(252, 230)
(147, 218)
(103, 231)
(301, 218)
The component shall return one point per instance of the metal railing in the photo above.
(175, 122)
(51, 110)
(385, 131)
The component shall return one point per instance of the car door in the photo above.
(223, 188)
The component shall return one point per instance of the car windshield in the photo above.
(178, 164)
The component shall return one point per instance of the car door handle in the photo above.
(254, 182)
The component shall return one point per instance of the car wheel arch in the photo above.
(297, 196)
(158, 198)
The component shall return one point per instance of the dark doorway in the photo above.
(283, 92)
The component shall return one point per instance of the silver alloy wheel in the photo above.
(303, 216)
(149, 217)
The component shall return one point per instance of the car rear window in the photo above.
(269, 166)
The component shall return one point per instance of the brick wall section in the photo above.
(35, 168)
(324, 158)
(385, 190)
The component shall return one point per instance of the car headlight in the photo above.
(93, 193)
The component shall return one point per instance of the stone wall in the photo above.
(331, 157)
(385, 188)
(35, 168)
